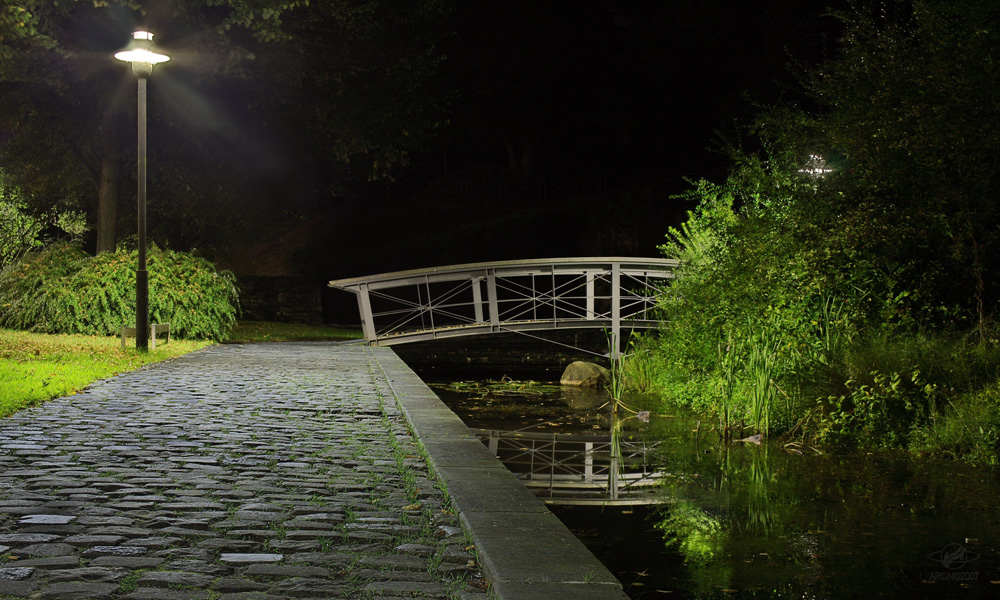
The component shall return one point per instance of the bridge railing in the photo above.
(478, 298)
(573, 468)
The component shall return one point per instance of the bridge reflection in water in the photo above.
(576, 469)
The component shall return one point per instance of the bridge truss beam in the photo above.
(609, 293)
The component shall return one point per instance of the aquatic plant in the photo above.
(761, 365)
(696, 534)
(726, 385)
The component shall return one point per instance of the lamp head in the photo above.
(142, 53)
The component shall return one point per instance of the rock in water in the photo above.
(584, 374)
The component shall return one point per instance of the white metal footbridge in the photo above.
(610, 293)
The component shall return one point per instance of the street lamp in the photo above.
(143, 55)
(816, 167)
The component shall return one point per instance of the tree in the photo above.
(252, 90)
(841, 276)
(907, 115)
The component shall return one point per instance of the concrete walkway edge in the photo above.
(524, 550)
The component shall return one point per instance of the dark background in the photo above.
(568, 127)
(383, 135)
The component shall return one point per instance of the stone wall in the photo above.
(281, 299)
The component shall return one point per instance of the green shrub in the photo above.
(63, 290)
(969, 428)
(18, 230)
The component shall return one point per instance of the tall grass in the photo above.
(726, 384)
(761, 370)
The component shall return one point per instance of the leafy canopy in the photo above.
(835, 279)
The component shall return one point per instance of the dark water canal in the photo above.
(749, 521)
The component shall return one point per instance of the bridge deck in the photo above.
(526, 295)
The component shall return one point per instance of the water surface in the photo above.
(748, 521)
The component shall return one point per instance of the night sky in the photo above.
(571, 125)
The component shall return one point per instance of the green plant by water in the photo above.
(857, 305)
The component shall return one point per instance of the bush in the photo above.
(969, 429)
(63, 290)
(18, 230)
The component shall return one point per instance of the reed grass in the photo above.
(761, 367)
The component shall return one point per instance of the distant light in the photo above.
(141, 50)
(816, 167)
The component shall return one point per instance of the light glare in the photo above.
(141, 55)
(140, 50)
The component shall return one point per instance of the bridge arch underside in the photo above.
(612, 294)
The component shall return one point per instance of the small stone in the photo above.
(28, 538)
(250, 558)
(394, 562)
(416, 549)
(15, 573)
(165, 579)
(295, 545)
(47, 550)
(155, 543)
(94, 574)
(328, 559)
(116, 551)
(19, 589)
(45, 520)
(79, 591)
(228, 545)
(230, 585)
(447, 531)
(456, 554)
(270, 570)
(128, 562)
(183, 554)
(52, 562)
(93, 540)
(455, 571)
(198, 566)
(307, 588)
(256, 516)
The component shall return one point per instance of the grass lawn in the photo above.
(266, 331)
(36, 367)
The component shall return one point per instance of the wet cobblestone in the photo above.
(236, 472)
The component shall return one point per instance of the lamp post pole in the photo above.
(141, 274)
(143, 56)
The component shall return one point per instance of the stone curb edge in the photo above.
(525, 551)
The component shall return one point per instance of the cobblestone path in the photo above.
(253, 472)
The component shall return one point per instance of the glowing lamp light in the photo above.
(142, 54)
(816, 167)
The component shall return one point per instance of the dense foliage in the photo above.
(260, 97)
(63, 290)
(854, 297)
